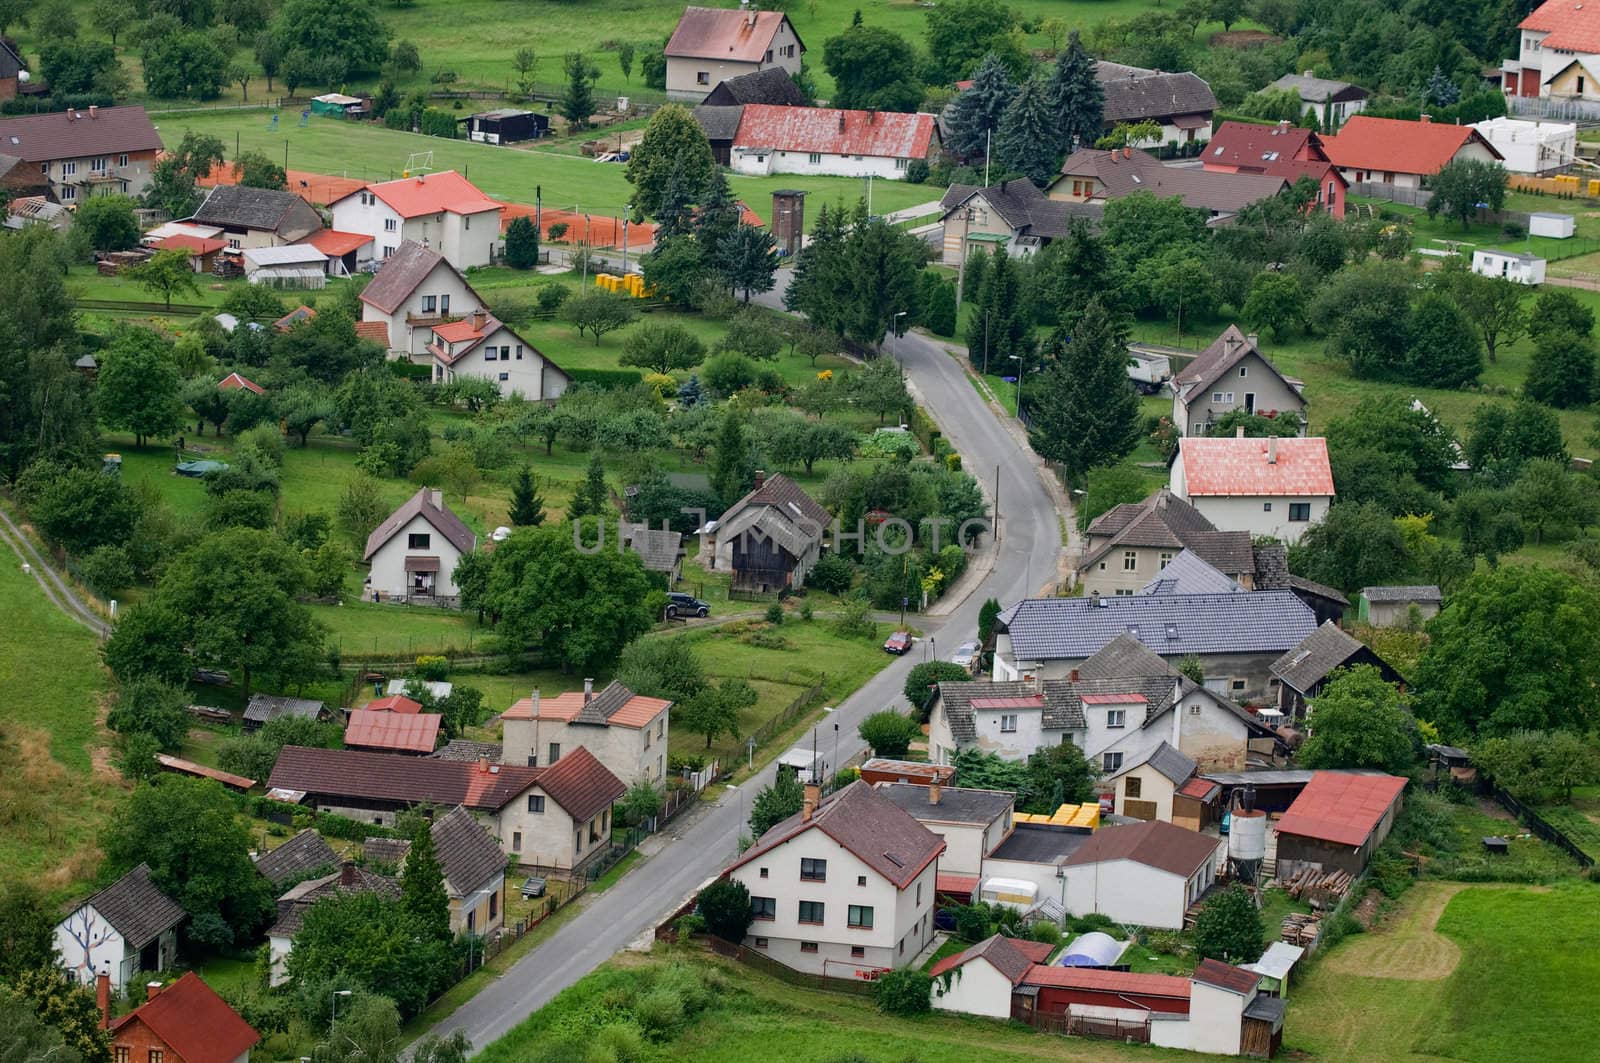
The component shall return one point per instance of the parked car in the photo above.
(898, 643)
(966, 656)
(686, 605)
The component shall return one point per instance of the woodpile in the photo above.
(206, 712)
(1300, 929)
(1319, 887)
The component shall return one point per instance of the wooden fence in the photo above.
(488, 947)
(1543, 828)
(791, 713)
(1069, 1025)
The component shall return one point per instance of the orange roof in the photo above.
(1393, 145)
(1572, 25)
(196, 1023)
(456, 331)
(189, 767)
(406, 733)
(335, 243)
(725, 34)
(598, 229)
(433, 193)
(192, 244)
(1150, 985)
(1240, 467)
(318, 189)
(234, 380)
(636, 712)
(1341, 808)
(393, 703)
(966, 885)
(376, 331)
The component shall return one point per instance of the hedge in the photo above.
(609, 379)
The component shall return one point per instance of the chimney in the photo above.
(588, 691)
(1073, 675)
(150, 990)
(1425, 118)
(1253, 338)
(93, 111)
(841, 121)
(533, 704)
(72, 116)
(437, 498)
(347, 870)
(479, 319)
(1094, 598)
(102, 997)
(809, 807)
(483, 765)
(761, 478)
(934, 792)
(1309, 74)
(1272, 450)
(1127, 153)
(1283, 126)
(1238, 433)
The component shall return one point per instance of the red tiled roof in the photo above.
(403, 732)
(196, 1023)
(581, 784)
(393, 703)
(334, 243)
(376, 331)
(631, 710)
(726, 34)
(1198, 788)
(1572, 25)
(433, 193)
(468, 328)
(883, 134)
(192, 244)
(189, 767)
(1249, 146)
(1148, 985)
(962, 884)
(1226, 976)
(343, 773)
(1012, 957)
(234, 380)
(1230, 466)
(294, 317)
(1115, 699)
(1341, 808)
(1397, 146)
(1031, 701)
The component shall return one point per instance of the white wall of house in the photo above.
(279, 948)
(516, 367)
(1250, 385)
(1216, 1019)
(746, 159)
(442, 294)
(389, 573)
(902, 919)
(1135, 893)
(966, 844)
(465, 240)
(485, 907)
(353, 214)
(629, 753)
(548, 837)
(1171, 134)
(975, 988)
(1263, 515)
(691, 78)
(88, 945)
(1472, 151)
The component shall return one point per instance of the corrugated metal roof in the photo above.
(401, 732)
(288, 255)
(1240, 468)
(1147, 985)
(1189, 574)
(824, 130)
(1340, 807)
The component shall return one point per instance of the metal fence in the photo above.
(1562, 110)
(1542, 827)
(790, 714)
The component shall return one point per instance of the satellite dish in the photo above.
(22, 77)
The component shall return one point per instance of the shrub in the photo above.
(889, 733)
(905, 993)
(1048, 933)
(725, 906)
(107, 569)
(551, 296)
(917, 171)
(832, 574)
(1229, 929)
(431, 669)
(774, 614)
(855, 621)
(806, 612)
(658, 1013)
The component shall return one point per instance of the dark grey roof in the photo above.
(264, 708)
(599, 709)
(957, 804)
(1223, 353)
(11, 63)
(718, 123)
(1266, 1009)
(1422, 593)
(1170, 762)
(306, 851)
(1302, 586)
(1166, 522)
(772, 85)
(469, 856)
(390, 851)
(1122, 657)
(1133, 94)
(293, 906)
(1188, 574)
(240, 206)
(466, 749)
(136, 909)
(657, 547)
(1318, 654)
(1027, 210)
(428, 504)
(785, 496)
(1322, 90)
(1043, 629)
(1035, 844)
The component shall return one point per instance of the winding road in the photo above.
(1029, 552)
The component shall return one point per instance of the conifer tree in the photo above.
(1085, 412)
(422, 893)
(592, 496)
(1026, 141)
(527, 505)
(1076, 98)
(978, 111)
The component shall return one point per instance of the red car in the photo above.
(898, 643)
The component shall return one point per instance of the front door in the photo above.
(1250, 402)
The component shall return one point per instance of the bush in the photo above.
(551, 296)
(658, 1013)
(889, 733)
(1229, 929)
(855, 621)
(107, 569)
(832, 574)
(725, 906)
(431, 669)
(906, 993)
(774, 614)
(917, 171)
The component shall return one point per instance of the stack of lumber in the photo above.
(1310, 883)
(1300, 929)
(206, 712)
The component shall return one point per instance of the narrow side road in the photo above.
(60, 593)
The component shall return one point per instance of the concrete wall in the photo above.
(469, 239)
(389, 574)
(487, 907)
(1251, 514)
(376, 219)
(761, 164)
(1134, 893)
(550, 838)
(1216, 1019)
(134, 176)
(975, 988)
(629, 753)
(1112, 574)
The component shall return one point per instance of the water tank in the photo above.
(1247, 835)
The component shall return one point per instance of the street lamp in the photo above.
(337, 993)
(894, 329)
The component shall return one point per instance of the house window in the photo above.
(536, 804)
(430, 304)
(1216, 396)
(1116, 718)
(504, 377)
(490, 354)
(1236, 685)
(418, 541)
(1244, 370)
(861, 880)
(466, 221)
(902, 946)
(1194, 710)
(811, 912)
(1266, 507)
(519, 352)
(919, 893)
(122, 160)
(390, 225)
(1580, 84)
(494, 904)
(859, 917)
(516, 841)
(901, 164)
(44, 168)
(555, 752)
(761, 943)
(813, 870)
(1166, 558)
(387, 251)
(577, 841)
(858, 952)
(157, 1055)
(1130, 560)
(1111, 762)
(533, 760)
(69, 169)
(69, 193)
(1299, 511)
(1008, 723)
(119, 1054)
(1102, 566)
(702, 77)
(808, 946)
(98, 165)
(815, 158)
(768, 59)
(764, 907)
(1133, 786)
(763, 872)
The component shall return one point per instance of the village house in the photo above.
(1558, 53)
(844, 887)
(770, 85)
(85, 152)
(185, 1022)
(301, 855)
(1303, 671)
(413, 734)
(626, 732)
(1331, 101)
(1391, 606)
(128, 927)
(556, 817)
(238, 382)
(1128, 544)
(1182, 104)
(1273, 487)
(1395, 152)
(1143, 874)
(1013, 215)
(474, 869)
(262, 709)
(415, 290)
(972, 822)
(711, 45)
(442, 211)
(478, 345)
(1232, 374)
(822, 140)
(1337, 822)
(1149, 786)
(985, 975)
(1099, 175)
(12, 67)
(1281, 150)
(346, 880)
(256, 217)
(770, 538)
(413, 553)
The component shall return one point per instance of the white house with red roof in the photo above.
(844, 887)
(479, 345)
(626, 732)
(414, 552)
(823, 140)
(1558, 53)
(415, 290)
(443, 211)
(711, 45)
(985, 975)
(1268, 487)
(1396, 152)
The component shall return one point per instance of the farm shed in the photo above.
(1517, 266)
(295, 266)
(1391, 606)
(1337, 821)
(338, 105)
(506, 125)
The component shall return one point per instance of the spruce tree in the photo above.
(734, 470)
(718, 217)
(1085, 412)
(422, 893)
(978, 111)
(527, 505)
(998, 324)
(1026, 141)
(1076, 98)
(592, 496)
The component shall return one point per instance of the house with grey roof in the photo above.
(299, 899)
(257, 217)
(1146, 785)
(1128, 545)
(128, 927)
(415, 289)
(1103, 174)
(770, 538)
(1304, 671)
(1392, 606)
(1331, 101)
(1232, 374)
(413, 553)
(972, 822)
(474, 872)
(1235, 637)
(1181, 103)
(296, 858)
(1012, 215)
(661, 549)
(264, 708)
(1188, 574)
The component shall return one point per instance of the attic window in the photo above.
(1217, 153)
(1138, 180)
(893, 859)
(1270, 156)
(1172, 631)
(1133, 629)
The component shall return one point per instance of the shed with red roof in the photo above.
(413, 733)
(1274, 487)
(1337, 821)
(824, 140)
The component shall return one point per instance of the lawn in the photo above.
(57, 784)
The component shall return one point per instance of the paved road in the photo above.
(1029, 550)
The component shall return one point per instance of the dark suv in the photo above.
(686, 605)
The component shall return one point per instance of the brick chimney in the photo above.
(809, 807)
(1073, 675)
(94, 111)
(479, 319)
(1283, 126)
(102, 997)
(483, 765)
(935, 791)
(761, 478)
(150, 990)
(588, 691)
(347, 870)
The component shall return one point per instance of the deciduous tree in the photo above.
(888, 733)
(662, 348)
(1462, 185)
(1361, 721)
(166, 273)
(137, 389)
(598, 312)
(873, 69)
(1229, 929)
(775, 803)
(673, 147)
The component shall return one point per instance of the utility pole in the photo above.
(997, 503)
(988, 142)
(538, 216)
(961, 259)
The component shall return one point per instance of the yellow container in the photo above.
(1594, 186)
